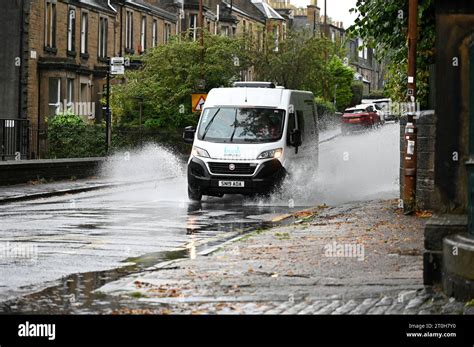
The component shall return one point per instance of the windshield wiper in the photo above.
(209, 124)
(235, 127)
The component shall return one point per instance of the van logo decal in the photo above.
(231, 167)
(231, 151)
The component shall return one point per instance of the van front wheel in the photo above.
(194, 195)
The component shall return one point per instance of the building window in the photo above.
(244, 23)
(129, 31)
(225, 31)
(103, 24)
(143, 35)
(276, 37)
(70, 93)
(167, 32)
(193, 26)
(85, 106)
(154, 33)
(50, 24)
(363, 51)
(54, 101)
(71, 30)
(84, 32)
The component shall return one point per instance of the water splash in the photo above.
(360, 166)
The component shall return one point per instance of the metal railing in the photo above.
(14, 139)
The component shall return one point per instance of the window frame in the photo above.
(50, 25)
(84, 34)
(71, 30)
(102, 42)
(56, 104)
(70, 92)
(154, 33)
(129, 32)
(143, 34)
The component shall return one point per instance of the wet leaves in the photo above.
(424, 214)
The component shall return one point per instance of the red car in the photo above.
(360, 117)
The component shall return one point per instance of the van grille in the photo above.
(240, 168)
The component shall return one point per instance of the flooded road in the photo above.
(63, 248)
(53, 238)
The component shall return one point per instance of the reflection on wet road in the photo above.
(47, 240)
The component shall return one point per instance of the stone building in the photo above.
(58, 50)
(299, 18)
(61, 48)
(449, 234)
(367, 68)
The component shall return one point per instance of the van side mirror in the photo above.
(188, 134)
(295, 138)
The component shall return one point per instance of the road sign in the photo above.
(117, 66)
(198, 101)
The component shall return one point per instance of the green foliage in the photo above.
(376, 94)
(384, 25)
(340, 79)
(169, 76)
(326, 113)
(306, 62)
(70, 137)
(357, 92)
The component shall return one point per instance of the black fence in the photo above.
(20, 140)
(14, 139)
(81, 141)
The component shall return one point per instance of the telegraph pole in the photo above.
(410, 158)
(201, 25)
(201, 44)
(325, 19)
(107, 109)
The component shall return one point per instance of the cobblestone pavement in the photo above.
(358, 258)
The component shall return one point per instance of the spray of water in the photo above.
(160, 169)
(357, 167)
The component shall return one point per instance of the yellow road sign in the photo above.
(198, 101)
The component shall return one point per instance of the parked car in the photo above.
(383, 105)
(360, 117)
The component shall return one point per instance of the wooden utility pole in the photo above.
(325, 19)
(410, 157)
(201, 25)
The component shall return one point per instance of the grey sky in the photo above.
(337, 9)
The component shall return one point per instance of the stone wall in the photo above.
(425, 187)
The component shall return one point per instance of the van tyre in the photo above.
(194, 195)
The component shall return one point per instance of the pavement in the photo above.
(357, 258)
(42, 189)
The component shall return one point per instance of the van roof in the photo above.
(247, 97)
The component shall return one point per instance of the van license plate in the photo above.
(240, 184)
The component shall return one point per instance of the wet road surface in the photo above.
(73, 244)
(46, 240)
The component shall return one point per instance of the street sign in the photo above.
(117, 66)
(198, 101)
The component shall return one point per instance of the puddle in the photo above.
(74, 294)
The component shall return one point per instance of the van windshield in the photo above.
(241, 125)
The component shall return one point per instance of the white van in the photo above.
(249, 137)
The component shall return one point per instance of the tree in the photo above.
(340, 81)
(384, 25)
(307, 62)
(170, 74)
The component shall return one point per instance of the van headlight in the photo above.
(199, 152)
(273, 153)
